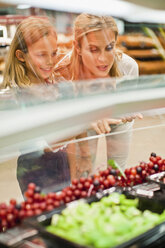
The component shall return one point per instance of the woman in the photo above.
(31, 61)
(94, 55)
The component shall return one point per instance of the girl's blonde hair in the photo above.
(29, 31)
(84, 24)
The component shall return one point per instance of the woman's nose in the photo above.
(101, 56)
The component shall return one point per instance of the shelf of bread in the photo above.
(151, 67)
(144, 54)
(144, 51)
(135, 40)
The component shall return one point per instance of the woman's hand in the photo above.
(103, 126)
(131, 117)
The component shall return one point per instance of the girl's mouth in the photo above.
(46, 69)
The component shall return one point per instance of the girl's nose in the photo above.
(50, 60)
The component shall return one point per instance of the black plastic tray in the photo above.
(154, 237)
(24, 237)
(155, 178)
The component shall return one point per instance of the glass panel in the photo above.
(16, 98)
(54, 169)
(36, 114)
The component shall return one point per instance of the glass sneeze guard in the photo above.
(66, 111)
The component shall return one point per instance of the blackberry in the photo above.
(96, 183)
(113, 172)
(156, 167)
(18, 206)
(153, 154)
(37, 189)
(139, 170)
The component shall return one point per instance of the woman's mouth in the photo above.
(102, 67)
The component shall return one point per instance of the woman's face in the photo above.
(97, 50)
(41, 58)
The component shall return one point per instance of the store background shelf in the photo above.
(144, 51)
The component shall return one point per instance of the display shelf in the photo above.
(27, 122)
(109, 202)
(55, 118)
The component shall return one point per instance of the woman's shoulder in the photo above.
(128, 66)
(127, 59)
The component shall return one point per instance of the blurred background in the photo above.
(141, 26)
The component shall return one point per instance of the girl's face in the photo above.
(41, 58)
(97, 50)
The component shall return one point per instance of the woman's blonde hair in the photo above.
(84, 24)
(29, 31)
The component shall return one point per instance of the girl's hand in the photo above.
(103, 126)
(131, 117)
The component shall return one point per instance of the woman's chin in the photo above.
(102, 75)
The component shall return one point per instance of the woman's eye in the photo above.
(109, 47)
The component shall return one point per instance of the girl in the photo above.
(31, 61)
(32, 55)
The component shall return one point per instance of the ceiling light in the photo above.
(23, 6)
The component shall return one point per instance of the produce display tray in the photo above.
(23, 236)
(154, 237)
(156, 178)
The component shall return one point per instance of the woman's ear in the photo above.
(77, 47)
(20, 55)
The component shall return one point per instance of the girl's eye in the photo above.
(93, 50)
(109, 47)
(41, 54)
(54, 54)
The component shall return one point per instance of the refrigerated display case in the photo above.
(40, 139)
(50, 158)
